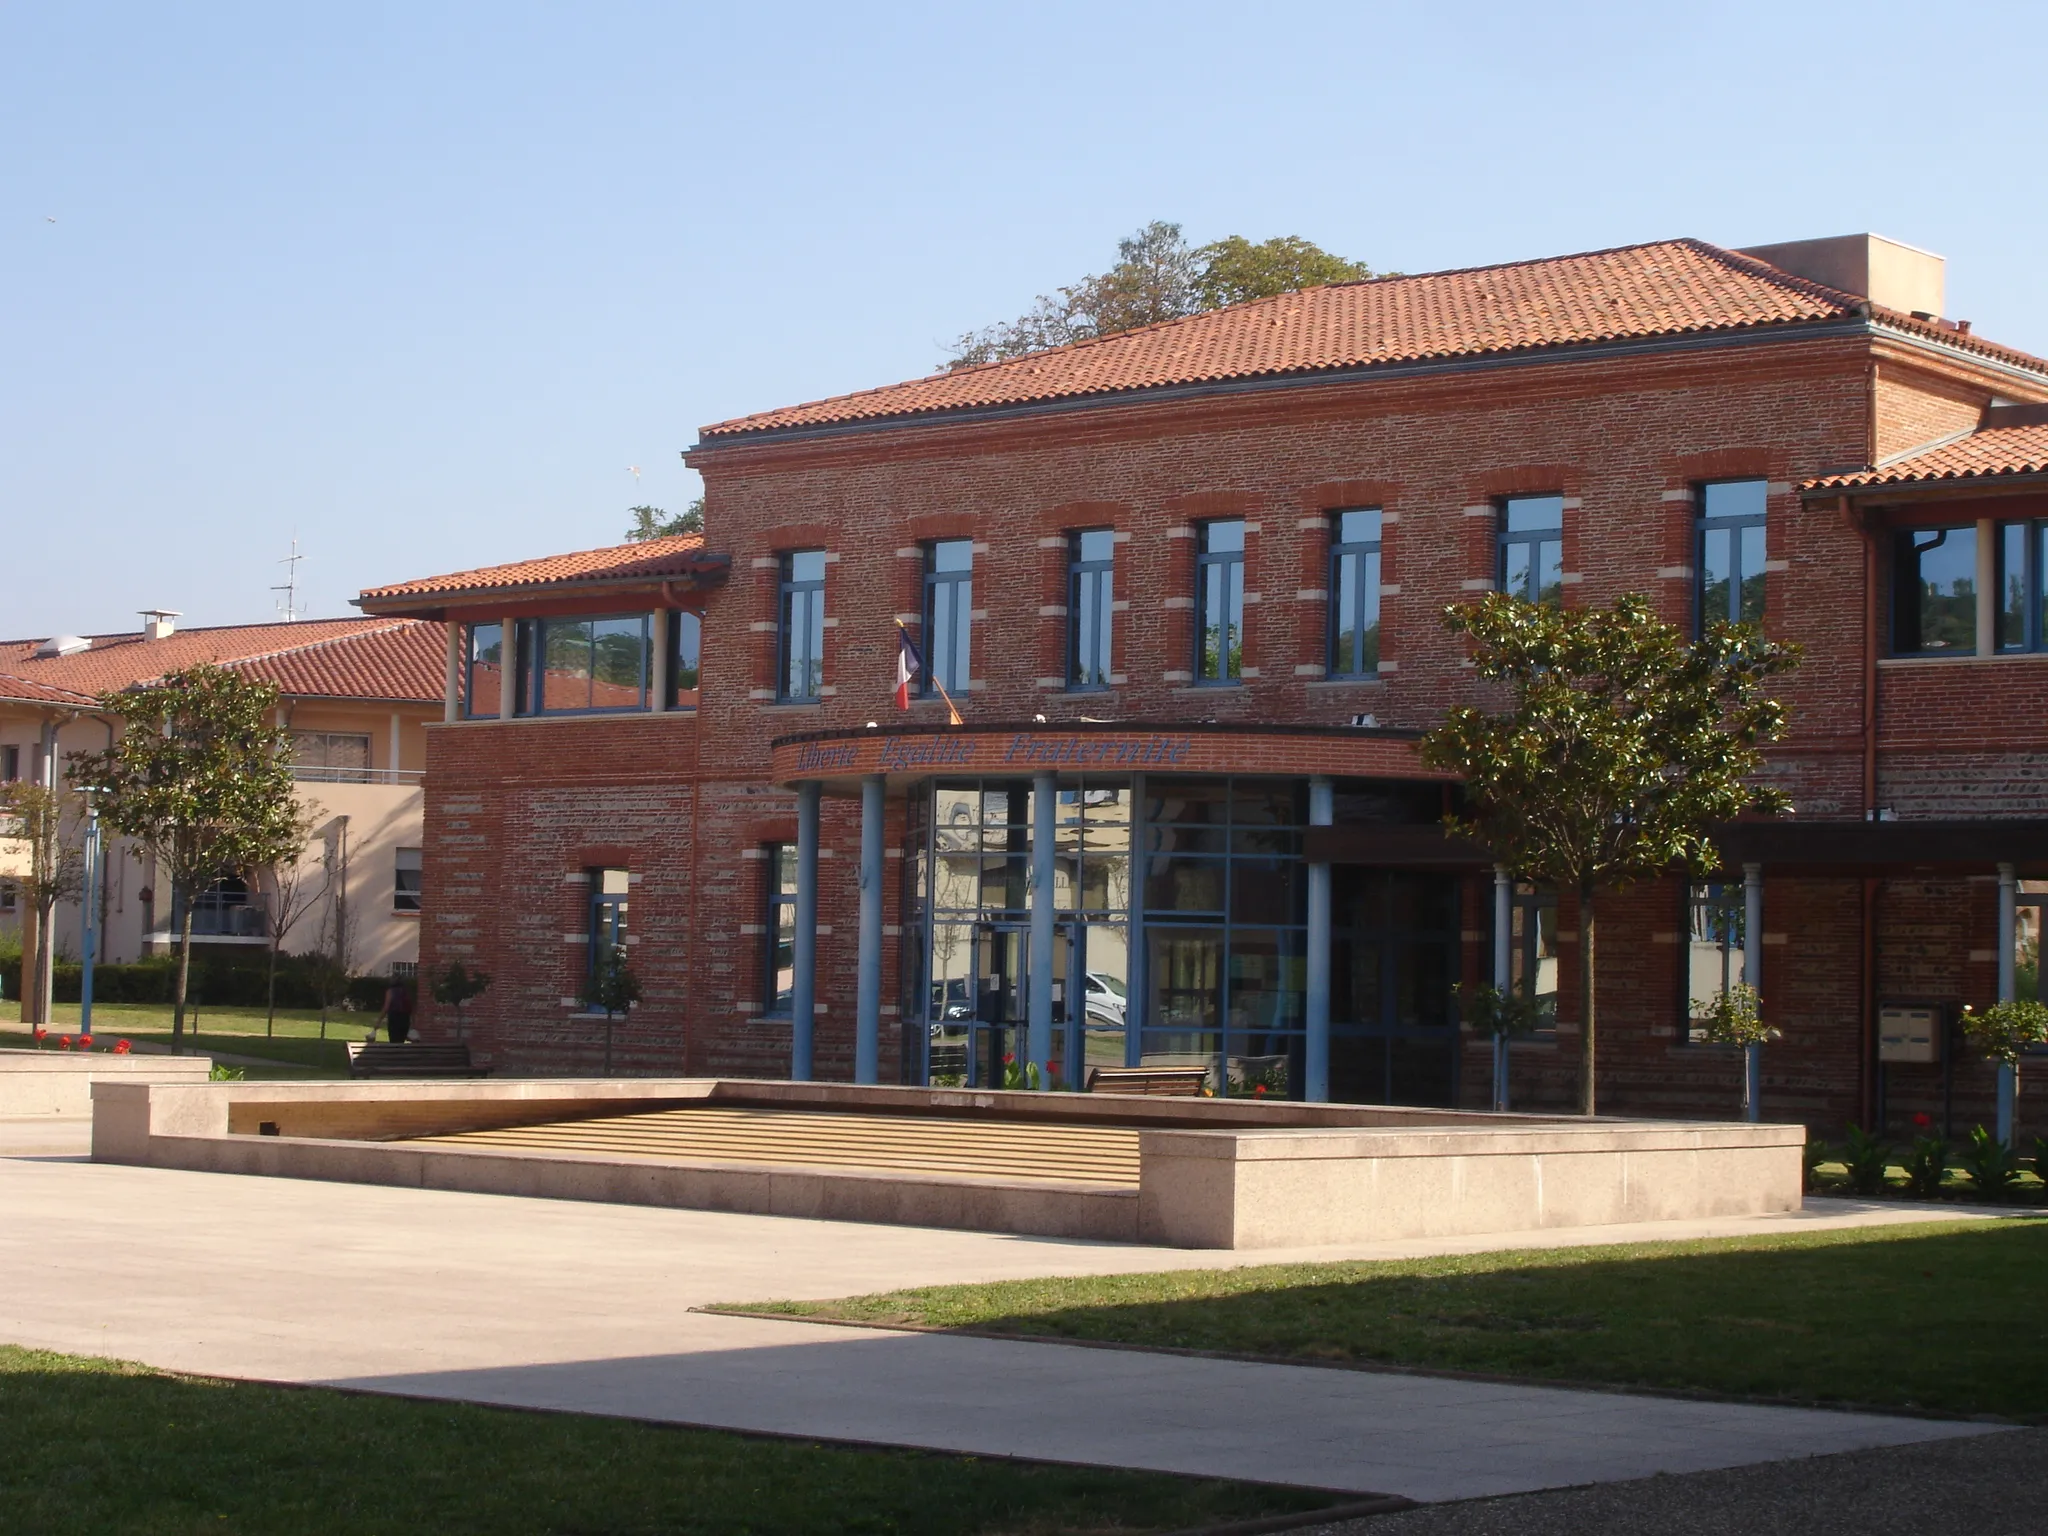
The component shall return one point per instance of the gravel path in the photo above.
(1991, 1485)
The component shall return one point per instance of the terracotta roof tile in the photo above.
(1986, 454)
(649, 560)
(28, 691)
(382, 659)
(1667, 288)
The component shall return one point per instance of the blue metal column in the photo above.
(803, 990)
(867, 1025)
(1316, 1068)
(2008, 1078)
(1134, 934)
(1039, 977)
(1753, 974)
(1503, 973)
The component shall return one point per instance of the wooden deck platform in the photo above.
(1083, 1154)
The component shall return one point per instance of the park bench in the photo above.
(381, 1059)
(1171, 1082)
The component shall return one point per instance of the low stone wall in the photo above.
(1213, 1174)
(59, 1084)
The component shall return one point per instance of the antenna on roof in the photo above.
(288, 605)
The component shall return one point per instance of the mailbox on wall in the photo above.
(1909, 1032)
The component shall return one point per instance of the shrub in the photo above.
(1927, 1165)
(1992, 1166)
(1868, 1157)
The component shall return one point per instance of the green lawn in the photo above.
(296, 1048)
(1942, 1316)
(97, 1446)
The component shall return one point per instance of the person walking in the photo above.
(398, 1010)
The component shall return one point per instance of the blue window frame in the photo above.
(609, 890)
(800, 628)
(1532, 548)
(583, 666)
(1355, 593)
(483, 672)
(1934, 592)
(1219, 602)
(948, 614)
(2020, 555)
(1730, 552)
(778, 933)
(1091, 575)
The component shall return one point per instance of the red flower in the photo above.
(1259, 1091)
(121, 1047)
(41, 1036)
(1009, 1061)
(1923, 1120)
(63, 1042)
(85, 1042)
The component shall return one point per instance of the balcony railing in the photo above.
(226, 920)
(306, 774)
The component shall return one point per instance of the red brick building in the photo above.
(1183, 587)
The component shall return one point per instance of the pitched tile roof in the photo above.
(27, 691)
(649, 560)
(1987, 454)
(1666, 288)
(383, 659)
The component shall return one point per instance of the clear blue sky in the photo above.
(419, 281)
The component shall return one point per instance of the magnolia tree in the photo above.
(1621, 746)
(201, 778)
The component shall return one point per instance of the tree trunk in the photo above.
(184, 975)
(31, 946)
(270, 1023)
(1588, 1017)
(46, 960)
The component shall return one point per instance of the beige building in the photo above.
(356, 695)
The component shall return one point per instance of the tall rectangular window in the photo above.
(2020, 556)
(609, 891)
(406, 887)
(583, 666)
(1091, 569)
(1219, 601)
(778, 931)
(1532, 947)
(333, 757)
(10, 764)
(948, 614)
(800, 627)
(1731, 552)
(1355, 593)
(1715, 924)
(1532, 548)
(484, 672)
(1934, 592)
(685, 644)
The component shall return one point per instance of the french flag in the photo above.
(908, 665)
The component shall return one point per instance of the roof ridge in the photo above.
(135, 636)
(383, 626)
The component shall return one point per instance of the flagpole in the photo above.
(952, 709)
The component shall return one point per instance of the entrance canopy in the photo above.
(903, 754)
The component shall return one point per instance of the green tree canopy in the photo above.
(201, 777)
(1622, 746)
(653, 523)
(1158, 276)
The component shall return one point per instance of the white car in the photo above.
(1105, 1000)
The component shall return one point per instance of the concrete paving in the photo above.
(586, 1308)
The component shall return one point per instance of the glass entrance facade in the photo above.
(1209, 875)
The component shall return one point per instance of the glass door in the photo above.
(1393, 962)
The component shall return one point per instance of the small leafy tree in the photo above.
(294, 886)
(1623, 746)
(42, 819)
(653, 523)
(455, 984)
(614, 988)
(1734, 1017)
(2003, 1031)
(201, 777)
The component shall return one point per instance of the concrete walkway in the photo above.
(586, 1308)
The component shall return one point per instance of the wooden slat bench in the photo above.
(1171, 1082)
(382, 1059)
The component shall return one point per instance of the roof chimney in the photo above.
(159, 623)
(1901, 277)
